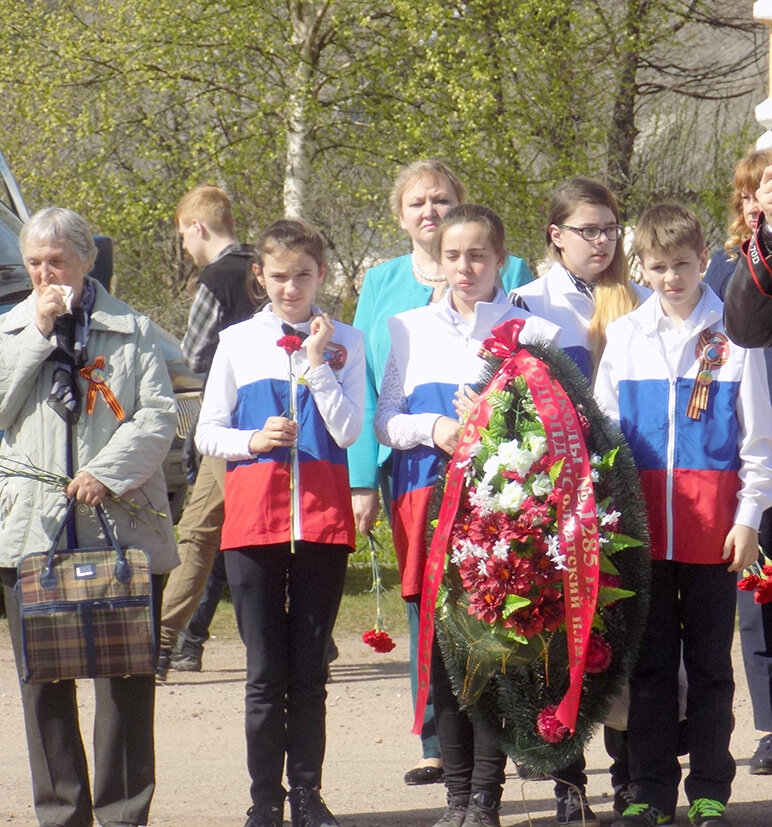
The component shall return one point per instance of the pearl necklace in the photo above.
(421, 275)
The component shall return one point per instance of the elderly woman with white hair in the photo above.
(47, 343)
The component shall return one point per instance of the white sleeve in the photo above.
(754, 413)
(607, 385)
(214, 435)
(394, 426)
(340, 401)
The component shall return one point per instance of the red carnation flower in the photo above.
(380, 641)
(767, 570)
(290, 344)
(763, 592)
(598, 655)
(548, 726)
(749, 583)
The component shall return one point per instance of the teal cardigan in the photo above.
(388, 289)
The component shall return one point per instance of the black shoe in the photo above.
(162, 664)
(624, 796)
(186, 662)
(423, 775)
(761, 762)
(644, 815)
(308, 808)
(455, 813)
(267, 814)
(483, 811)
(572, 808)
(706, 812)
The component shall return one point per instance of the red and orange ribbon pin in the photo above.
(97, 383)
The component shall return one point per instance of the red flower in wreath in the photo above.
(548, 726)
(599, 655)
(290, 344)
(380, 641)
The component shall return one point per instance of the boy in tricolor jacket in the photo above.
(695, 409)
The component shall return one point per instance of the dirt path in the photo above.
(202, 781)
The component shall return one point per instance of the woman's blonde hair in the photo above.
(613, 292)
(424, 168)
(746, 179)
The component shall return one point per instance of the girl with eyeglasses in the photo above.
(588, 284)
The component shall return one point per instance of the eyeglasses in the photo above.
(612, 233)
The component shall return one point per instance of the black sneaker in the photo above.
(706, 812)
(624, 796)
(455, 813)
(572, 808)
(186, 663)
(483, 811)
(761, 762)
(644, 815)
(267, 814)
(308, 808)
(162, 664)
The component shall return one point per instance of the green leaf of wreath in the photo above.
(513, 602)
(610, 594)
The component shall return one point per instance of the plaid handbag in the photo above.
(86, 613)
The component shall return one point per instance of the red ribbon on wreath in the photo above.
(575, 511)
(97, 384)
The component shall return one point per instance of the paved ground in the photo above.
(202, 781)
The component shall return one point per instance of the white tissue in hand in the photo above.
(67, 293)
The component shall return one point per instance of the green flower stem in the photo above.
(377, 586)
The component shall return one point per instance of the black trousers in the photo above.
(471, 759)
(693, 605)
(124, 753)
(756, 639)
(286, 605)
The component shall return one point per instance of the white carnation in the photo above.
(541, 485)
(511, 498)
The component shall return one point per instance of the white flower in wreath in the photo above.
(511, 498)
(501, 549)
(490, 468)
(538, 445)
(516, 458)
(541, 485)
(553, 552)
(463, 549)
(481, 498)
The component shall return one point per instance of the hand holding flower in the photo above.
(277, 432)
(743, 542)
(86, 489)
(322, 330)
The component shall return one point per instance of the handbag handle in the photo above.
(122, 566)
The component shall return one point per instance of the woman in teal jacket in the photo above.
(422, 193)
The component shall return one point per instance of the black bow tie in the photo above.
(289, 330)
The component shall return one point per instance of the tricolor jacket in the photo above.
(433, 353)
(249, 381)
(699, 476)
(554, 296)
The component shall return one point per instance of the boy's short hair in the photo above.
(209, 205)
(664, 227)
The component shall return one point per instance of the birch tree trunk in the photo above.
(306, 21)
